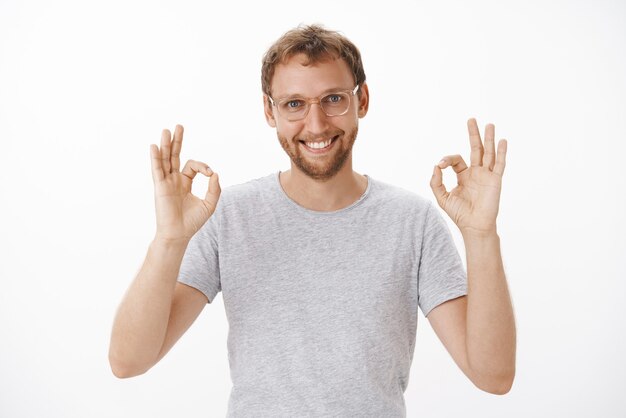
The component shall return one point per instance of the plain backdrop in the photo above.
(85, 87)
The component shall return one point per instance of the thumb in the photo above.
(436, 184)
(214, 191)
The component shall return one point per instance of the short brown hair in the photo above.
(318, 44)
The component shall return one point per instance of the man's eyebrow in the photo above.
(330, 90)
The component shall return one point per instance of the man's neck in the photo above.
(345, 188)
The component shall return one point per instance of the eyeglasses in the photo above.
(296, 108)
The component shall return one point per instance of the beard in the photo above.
(327, 166)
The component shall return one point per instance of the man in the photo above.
(321, 268)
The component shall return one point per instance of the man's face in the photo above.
(294, 79)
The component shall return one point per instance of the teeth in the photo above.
(318, 145)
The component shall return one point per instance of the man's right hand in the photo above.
(179, 213)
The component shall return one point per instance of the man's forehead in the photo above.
(298, 76)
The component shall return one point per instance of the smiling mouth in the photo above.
(320, 147)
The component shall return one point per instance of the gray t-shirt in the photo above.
(322, 306)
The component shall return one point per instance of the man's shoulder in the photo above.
(248, 190)
(398, 196)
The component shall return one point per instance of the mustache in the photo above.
(325, 135)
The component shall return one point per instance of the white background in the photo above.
(85, 88)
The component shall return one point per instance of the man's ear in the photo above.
(364, 100)
(268, 111)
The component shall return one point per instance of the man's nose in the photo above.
(316, 120)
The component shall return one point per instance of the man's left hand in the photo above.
(473, 204)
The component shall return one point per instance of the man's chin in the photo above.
(322, 170)
(324, 176)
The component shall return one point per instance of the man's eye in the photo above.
(333, 98)
(293, 104)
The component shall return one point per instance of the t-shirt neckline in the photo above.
(296, 205)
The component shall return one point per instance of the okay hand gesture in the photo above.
(473, 204)
(179, 213)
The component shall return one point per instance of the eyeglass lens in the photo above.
(334, 104)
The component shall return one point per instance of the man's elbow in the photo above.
(496, 386)
(124, 373)
(124, 370)
(501, 389)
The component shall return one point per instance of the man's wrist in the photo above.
(470, 234)
(167, 243)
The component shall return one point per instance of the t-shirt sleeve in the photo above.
(200, 265)
(441, 275)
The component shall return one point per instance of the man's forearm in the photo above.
(491, 334)
(141, 321)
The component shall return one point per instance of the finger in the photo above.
(213, 192)
(155, 162)
(190, 170)
(166, 139)
(436, 184)
(456, 161)
(490, 151)
(476, 156)
(501, 157)
(176, 147)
